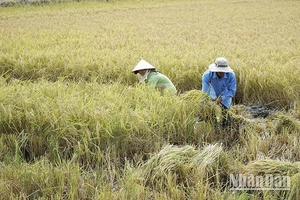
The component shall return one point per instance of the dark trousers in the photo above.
(210, 116)
(226, 118)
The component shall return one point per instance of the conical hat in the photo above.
(142, 65)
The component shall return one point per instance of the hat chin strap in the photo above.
(143, 78)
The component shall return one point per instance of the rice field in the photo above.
(75, 123)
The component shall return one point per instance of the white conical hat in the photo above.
(142, 65)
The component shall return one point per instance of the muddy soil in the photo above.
(257, 111)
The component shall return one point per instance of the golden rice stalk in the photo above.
(204, 159)
(273, 167)
(183, 163)
(196, 96)
(287, 123)
(202, 105)
(294, 192)
(262, 167)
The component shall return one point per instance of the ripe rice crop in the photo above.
(75, 123)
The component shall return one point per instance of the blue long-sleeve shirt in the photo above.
(224, 86)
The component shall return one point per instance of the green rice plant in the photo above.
(60, 120)
(130, 184)
(41, 179)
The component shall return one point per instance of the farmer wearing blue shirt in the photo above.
(219, 82)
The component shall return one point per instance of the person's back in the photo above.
(162, 82)
(148, 74)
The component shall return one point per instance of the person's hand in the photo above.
(217, 100)
(160, 86)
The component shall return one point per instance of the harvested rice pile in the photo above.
(273, 167)
(282, 168)
(186, 164)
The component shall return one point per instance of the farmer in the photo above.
(148, 74)
(219, 82)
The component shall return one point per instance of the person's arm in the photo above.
(152, 79)
(206, 85)
(160, 86)
(206, 82)
(231, 88)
